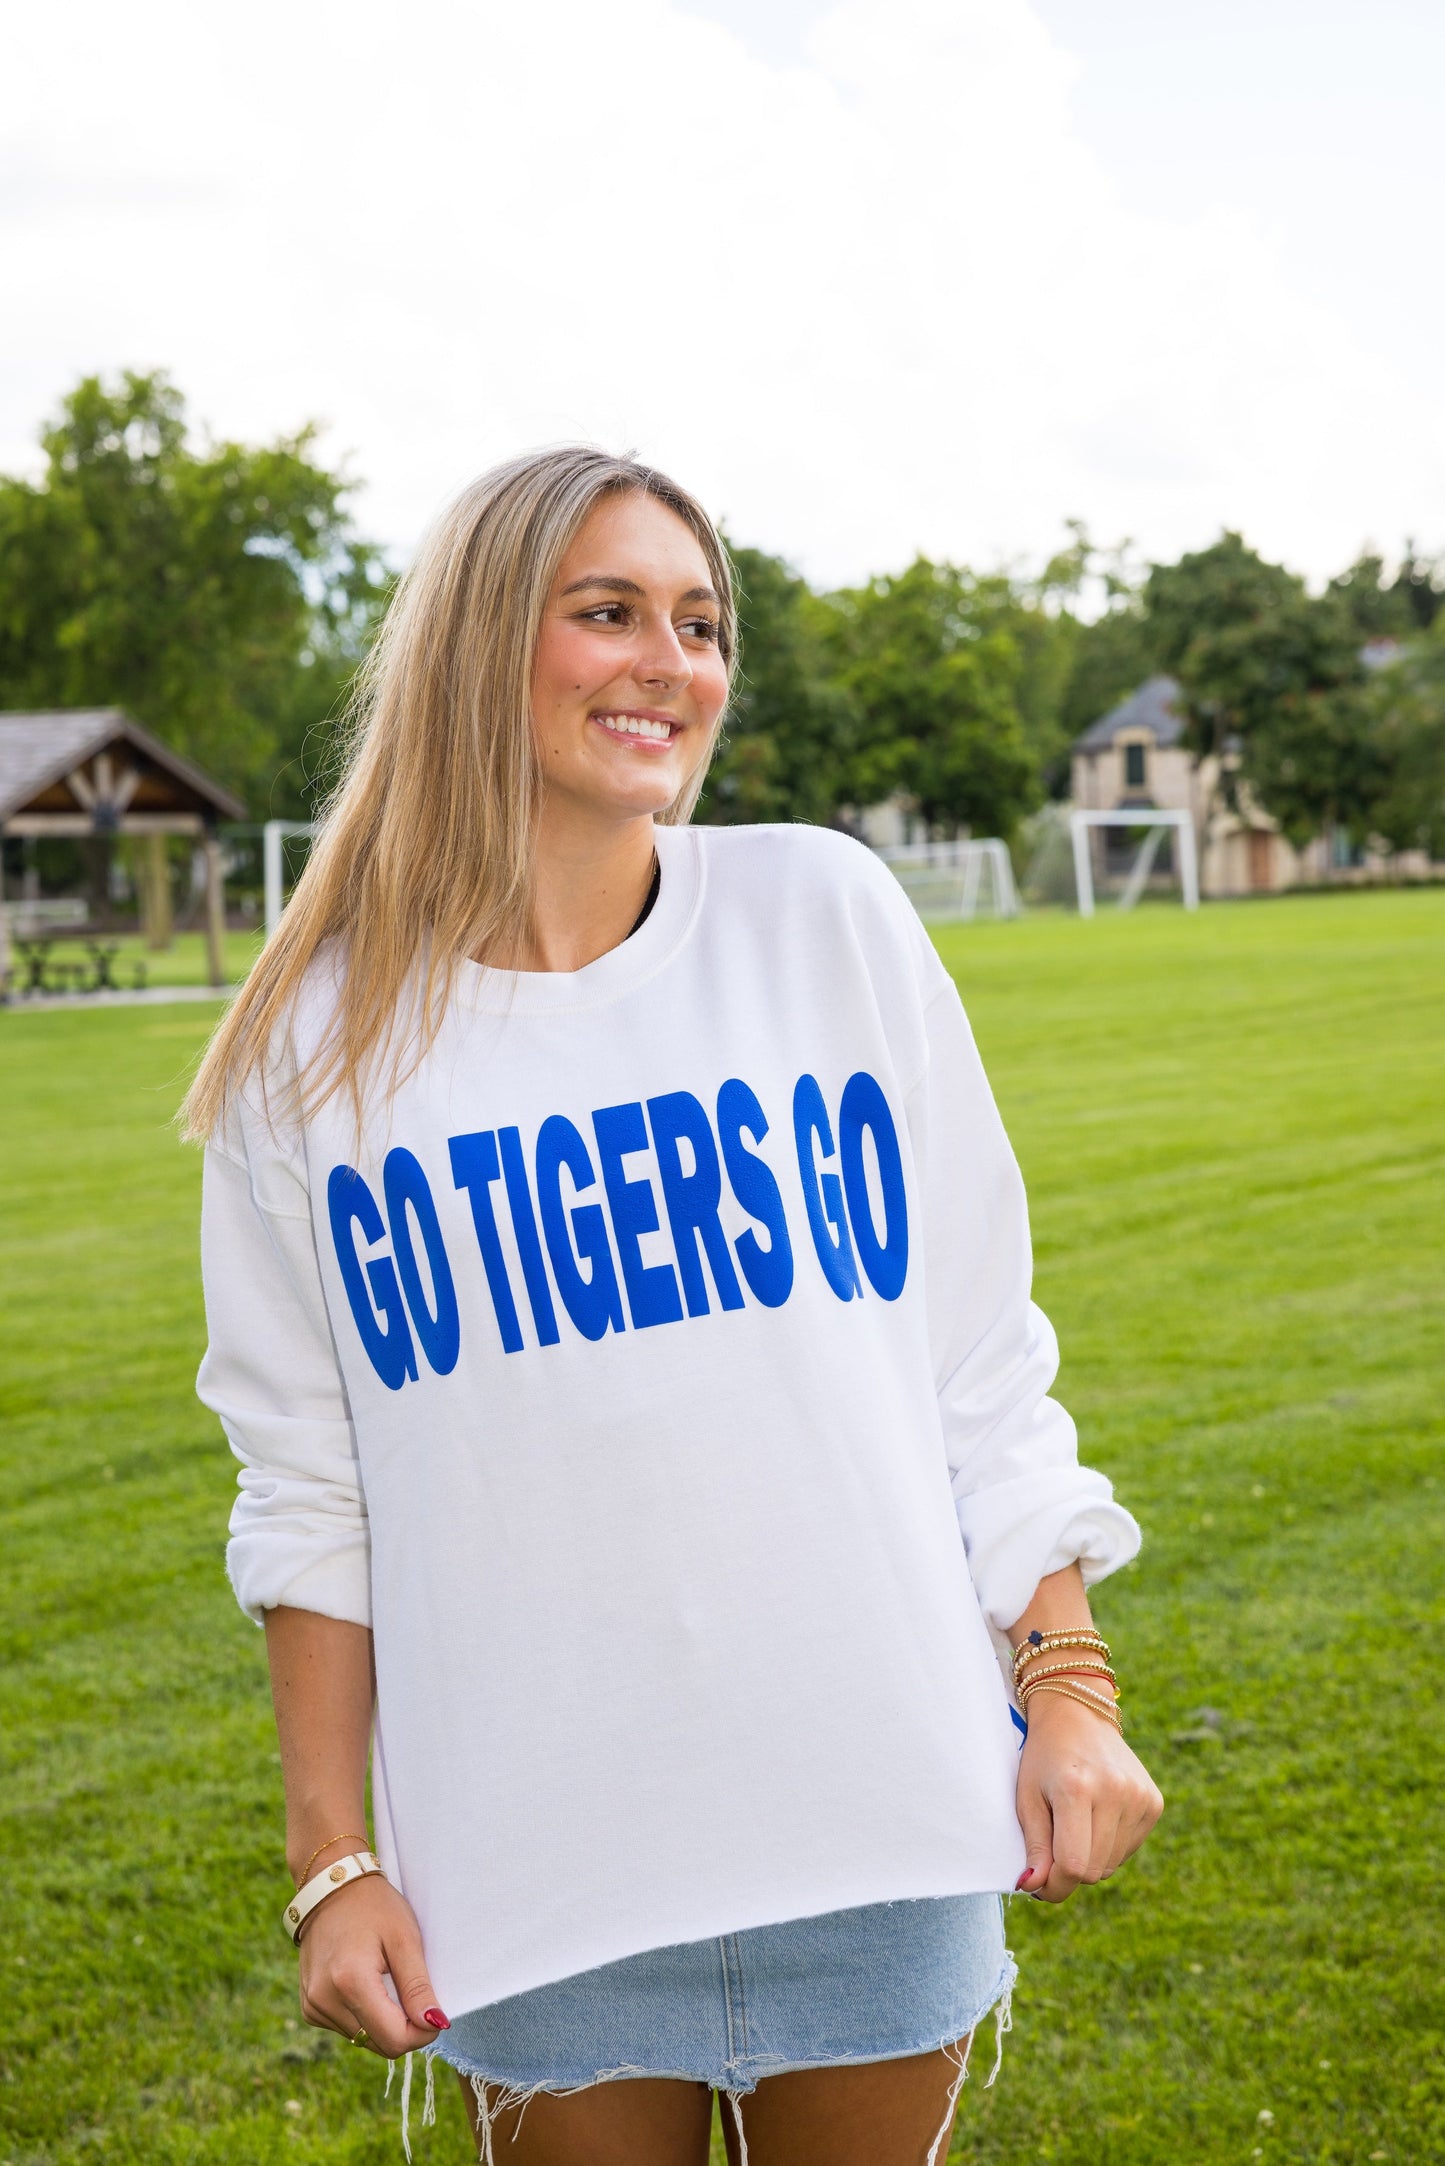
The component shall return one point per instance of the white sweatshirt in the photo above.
(657, 1377)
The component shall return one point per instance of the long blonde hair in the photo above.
(426, 847)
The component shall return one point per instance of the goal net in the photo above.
(955, 879)
(1149, 828)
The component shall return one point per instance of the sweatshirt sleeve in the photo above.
(299, 1532)
(1025, 1506)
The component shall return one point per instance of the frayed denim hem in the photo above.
(494, 2096)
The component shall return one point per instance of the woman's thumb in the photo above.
(418, 1998)
(414, 1988)
(1037, 1823)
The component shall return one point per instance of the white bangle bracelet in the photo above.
(326, 1882)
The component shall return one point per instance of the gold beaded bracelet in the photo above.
(1085, 1698)
(1048, 1643)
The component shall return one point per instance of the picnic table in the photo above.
(44, 972)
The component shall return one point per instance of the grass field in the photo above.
(1232, 1130)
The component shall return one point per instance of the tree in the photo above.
(1110, 657)
(1208, 593)
(1377, 610)
(1272, 684)
(1293, 688)
(784, 750)
(220, 594)
(1400, 608)
(1419, 583)
(1407, 703)
(930, 659)
(1097, 660)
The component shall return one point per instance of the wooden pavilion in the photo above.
(92, 771)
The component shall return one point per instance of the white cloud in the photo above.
(886, 300)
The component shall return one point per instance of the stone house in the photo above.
(1135, 756)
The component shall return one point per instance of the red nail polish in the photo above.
(1024, 1878)
(435, 2018)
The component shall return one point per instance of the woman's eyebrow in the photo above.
(603, 579)
(615, 584)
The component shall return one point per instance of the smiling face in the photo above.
(629, 677)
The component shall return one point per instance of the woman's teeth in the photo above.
(632, 725)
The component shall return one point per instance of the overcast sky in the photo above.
(874, 277)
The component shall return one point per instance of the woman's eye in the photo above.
(620, 613)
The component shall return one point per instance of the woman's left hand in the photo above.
(1085, 1803)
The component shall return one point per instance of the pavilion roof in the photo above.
(40, 751)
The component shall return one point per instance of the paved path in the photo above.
(146, 996)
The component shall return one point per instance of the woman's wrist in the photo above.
(1059, 1656)
(320, 1842)
(1040, 1707)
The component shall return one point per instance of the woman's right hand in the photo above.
(350, 1945)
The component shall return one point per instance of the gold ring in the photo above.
(360, 2039)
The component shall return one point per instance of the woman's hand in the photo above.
(349, 1945)
(1085, 1802)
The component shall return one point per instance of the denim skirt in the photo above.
(871, 1984)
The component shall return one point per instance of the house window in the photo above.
(1133, 767)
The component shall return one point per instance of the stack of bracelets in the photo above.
(1035, 1672)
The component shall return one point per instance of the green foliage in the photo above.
(962, 691)
(1421, 581)
(220, 594)
(931, 659)
(1407, 710)
(1047, 650)
(1226, 587)
(1311, 757)
(1100, 659)
(786, 742)
(1398, 608)
(1111, 657)
(1248, 1311)
(1272, 683)
(965, 692)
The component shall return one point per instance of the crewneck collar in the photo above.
(629, 964)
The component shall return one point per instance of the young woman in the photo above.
(618, 1289)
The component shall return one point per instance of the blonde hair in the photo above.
(426, 846)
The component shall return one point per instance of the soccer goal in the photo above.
(955, 879)
(274, 837)
(1156, 825)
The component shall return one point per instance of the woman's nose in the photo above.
(662, 658)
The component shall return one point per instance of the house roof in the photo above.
(38, 751)
(1150, 708)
